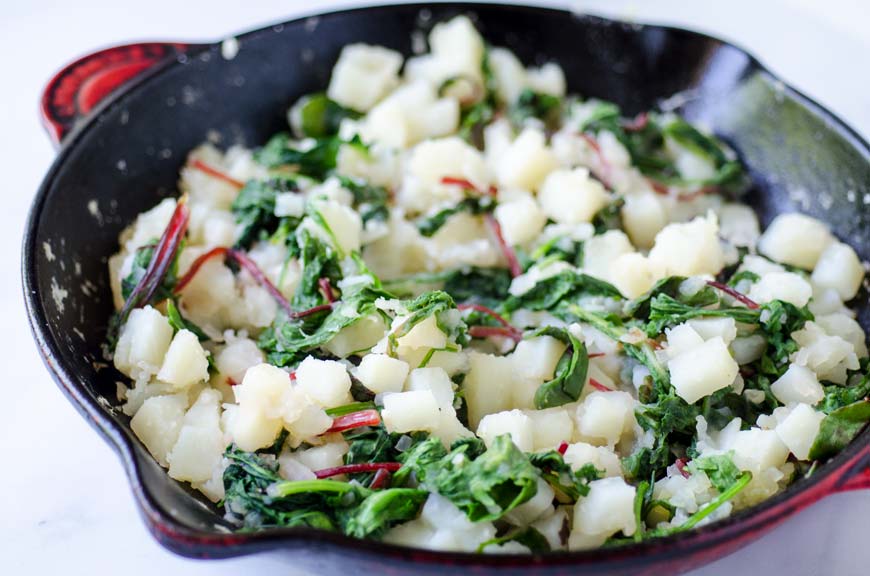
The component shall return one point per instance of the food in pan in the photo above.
(453, 307)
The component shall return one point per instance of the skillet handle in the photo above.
(855, 474)
(73, 93)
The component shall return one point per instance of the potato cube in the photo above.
(738, 224)
(688, 249)
(158, 422)
(435, 380)
(521, 220)
(425, 334)
(236, 357)
(600, 252)
(550, 427)
(799, 430)
(512, 422)
(345, 225)
(509, 74)
(548, 79)
(327, 455)
(359, 336)
(325, 381)
(603, 417)
(846, 328)
(681, 339)
(703, 370)
(580, 454)
(200, 446)
(839, 268)
(795, 239)
(260, 397)
(410, 411)
(536, 358)
(607, 509)
(185, 363)
(488, 385)
(798, 384)
(143, 342)
(572, 196)
(539, 505)
(756, 449)
(382, 373)
(363, 75)
(786, 286)
(458, 47)
(526, 162)
(643, 216)
(830, 357)
(632, 274)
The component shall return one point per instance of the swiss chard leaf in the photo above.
(667, 311)
(380, 510)
(316, 161)
(483, 285)
(720, 469)
(178, 322)
(141, 260)
(317, 116)
(569, 483)
(531, 104)
(254, 208)
(429, 225)
(565, 286)
(317, 260)
(527, 536)
(570, 373)
(839, 428)
(639, 308)
(369, 200)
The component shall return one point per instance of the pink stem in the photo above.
(752, 304)
(487, 331)
(563, 447)
(381, 479)
(681, 466)
(197, 264)
(245, 262)
(356, 468)
(355, 420)
(467, 184)
(598, 385)
(637, 124)
(605, 171)
(507, 251)
(215, 173)
(326, 288)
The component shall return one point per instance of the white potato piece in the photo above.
(234, 359)
(572, 196)
(786, 286)
(795, 239)
(345, 226)
(603, 458)
(361, 335)
(798, 384)
(600, 252)
(839, 268)
(550, 427)
(260, 397)
(325, 381)
(539, 505)
(643, 216)
(512, 422)
(748, 349)
(424, 334)
(158, 422)
(410, 411)
(725, 328)
(327, 455)
(459, 47)
(606, 510)
(508, 73)
(363, 75)
(536, 358)
(521, 220)
(603, 418)
(200, 446)
(632, 274)
(488, 385)
(845, 327)
(799, 429)
(703, 370)
(185, 363)
(738, 224)
(681, 339)
(756, 450)
(382, 373)
(430, 162)
(435, 380)
(688, 249)
(830, 357)
(142, 343)
(526, 162)
(548, 79)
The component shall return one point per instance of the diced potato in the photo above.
(325, 381)
(148, 225)
(795, 239)
(600, 252)
(536, 358)
(449, 429)
(508, 72)
(846, 328)
(435, 380)
(382, 373)
(526, 162)
(607, 509)
(344, 224)
(185, 363)
(572, 196)
(755, 450)
(521, 220)
(548, 79)
(799, 430)
(738, 224)
(200, 446)
(703, 370)
(363, 75)
(830, 357)
(786, 286)
(579, 454)
(328, 455)
(553, 527)
(748, 349)
(839, 268)
(539, 505)
(260, 397)
(643, 216)
(158, 422)
(681, 339)
(410, 114)
(143, 342)
(425, 334)
(410, 411)
(237, 356)
(687, 249)
(303, 417)
(430, 162)
(550, 427)
(725, 328)
(488, 385)
(798, 384)
(632, 274)
(459, 47)
(604, 417)
(361, 335)
(512, 422)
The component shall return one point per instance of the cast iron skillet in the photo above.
(124, 154)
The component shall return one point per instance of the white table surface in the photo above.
(66, 505)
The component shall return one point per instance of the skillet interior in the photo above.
(128, 157)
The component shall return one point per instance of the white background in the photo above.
(65, 502)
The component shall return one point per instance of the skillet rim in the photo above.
(187, 541)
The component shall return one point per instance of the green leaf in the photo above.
(527, 536)
(640, 307)
(570, 373)
(566, 286)
(531, 104)
(839, 428)
(666, 311)
(381, 510)
(720, 469)
(571, 484)
(317, 161)
(474, 205)
(141, 260)
(254, 208)
(707, 509)
(318, 116)
(369, 200)
(837, 397)
(178, 322)
(317, 260)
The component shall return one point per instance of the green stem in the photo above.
(349, 408)
(639, 498)
(291, 487)
(695, 518)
